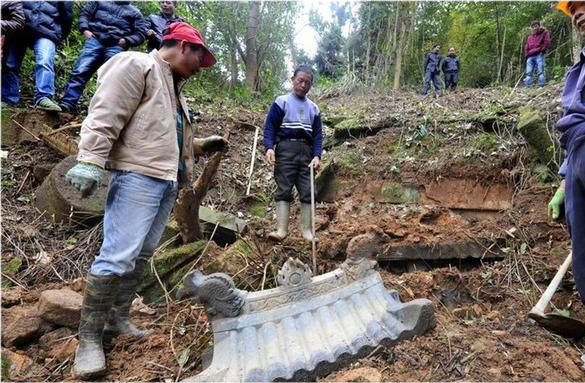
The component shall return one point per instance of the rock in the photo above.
(367, 245)
(15, 366)
(22, 324)
(12, 296)
(61, 307)
(228, 225)
(64, 349)
(534, 129)
(47, 341)
(171, 266)
(41, 171)
(360, 374)
(63, 202)
(78, 284)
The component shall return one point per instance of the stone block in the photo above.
(61, 307)
(22, 324)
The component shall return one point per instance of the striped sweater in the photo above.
(293, 117)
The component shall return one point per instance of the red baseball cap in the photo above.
(182, 31)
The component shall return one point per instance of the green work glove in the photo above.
(209, 144)
(554, 206)
(85, 177)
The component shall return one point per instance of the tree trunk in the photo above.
(401, 44)
(251, 46)
(234, 73)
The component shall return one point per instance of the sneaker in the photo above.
(48, 104)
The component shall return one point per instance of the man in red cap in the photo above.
(138, 127)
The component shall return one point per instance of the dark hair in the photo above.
(436, 45)
(305, 69)
(535, 22)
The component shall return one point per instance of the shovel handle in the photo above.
(538, 309)
(313, 244)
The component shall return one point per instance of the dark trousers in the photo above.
(575, 210)
(434, 78)
(292, 169)
(451, 79)
(92, 56)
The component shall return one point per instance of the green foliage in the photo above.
(485, 142)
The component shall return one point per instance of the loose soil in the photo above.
(475, 184)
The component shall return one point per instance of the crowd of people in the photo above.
(108, 27)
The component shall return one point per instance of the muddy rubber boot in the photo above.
(118, 322)
(282, 215)
(90, 361)
(306, 227)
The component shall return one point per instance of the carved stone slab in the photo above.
(307, 327)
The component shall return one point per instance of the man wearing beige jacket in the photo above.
(138, 127)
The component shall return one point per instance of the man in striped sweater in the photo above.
(293, 138)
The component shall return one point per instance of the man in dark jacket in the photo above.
(451, 66)
(432, 70)
(109, 27)
(157, 22)
(12, 19)
(536, 45)
(46, 24)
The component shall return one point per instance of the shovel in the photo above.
(559, 324)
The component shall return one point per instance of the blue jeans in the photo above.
(44, 70)
(92, 56)
(431, 77)
(575, 209)
(536, 61)
(137, 210)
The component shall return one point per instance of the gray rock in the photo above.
(61, 307)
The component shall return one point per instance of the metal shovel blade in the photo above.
(561, 325)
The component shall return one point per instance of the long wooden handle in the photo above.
(538, 309)
(313, 245)
(252, 160)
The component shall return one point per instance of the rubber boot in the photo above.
(118, 322)
(282, 216)
(90, 361)
(306, 227)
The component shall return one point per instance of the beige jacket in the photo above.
(131, 122)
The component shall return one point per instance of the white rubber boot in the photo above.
(282, 216)
(306, 224)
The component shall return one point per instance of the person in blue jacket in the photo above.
(293, 139)
(109, 27)
(46, 24)
(451, 66)
(157, 22)
(572, 127)
(432, 68)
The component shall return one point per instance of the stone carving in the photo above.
(216, 292)
(308, 326)
(294, 273)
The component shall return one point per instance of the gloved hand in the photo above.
(85, 177)
(209, 144)
(554, 206)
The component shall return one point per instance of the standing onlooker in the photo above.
(109, 27)
(12, 19)
(432, 69)
(157, 22)
(536, 45)
(451, 67)
(293, 139)
(46, 24)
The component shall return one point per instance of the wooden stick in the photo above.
(538, 309)
(26, 130)
(252, 160)
(313, 245)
